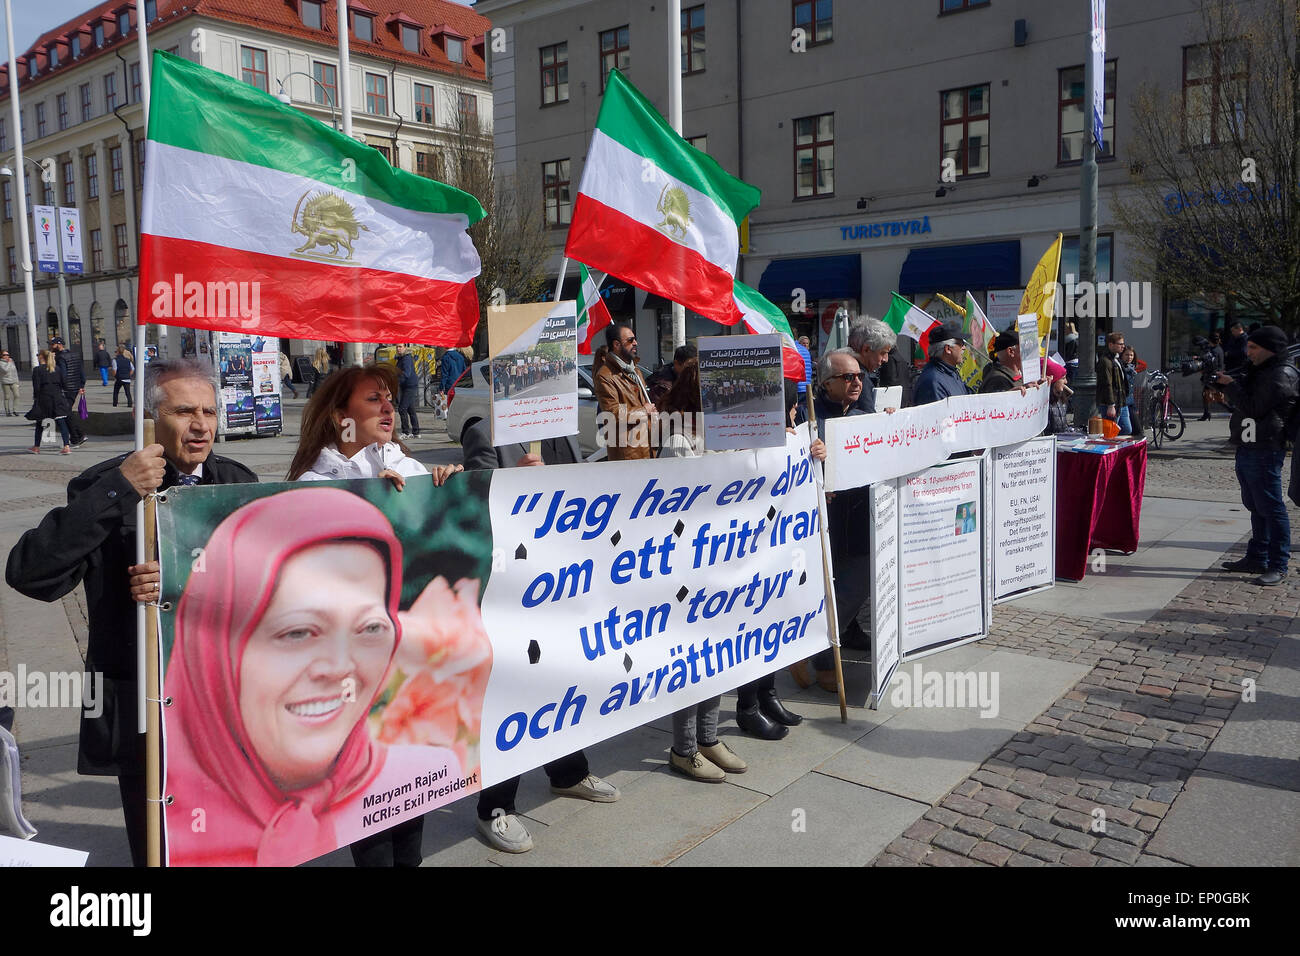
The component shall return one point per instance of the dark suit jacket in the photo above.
(92, 541)
(481, 455)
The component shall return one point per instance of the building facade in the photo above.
(416, 66)
(918, 146)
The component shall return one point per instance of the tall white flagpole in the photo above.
(355, 349)
(141, 340)
(20, 180)
(675, 118)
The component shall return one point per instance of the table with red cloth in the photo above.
(1098, 503)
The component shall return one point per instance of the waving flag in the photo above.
(908, 319)
(593, 314)
(655, 211)
(762, 317)
(1040, 292)
(258, 218)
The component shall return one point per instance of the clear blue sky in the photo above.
(34, 17)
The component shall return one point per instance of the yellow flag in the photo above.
(1040, 292)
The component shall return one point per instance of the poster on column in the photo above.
(534, 371)
(235, 382)
(1023, 482)
(266, 385)
(70, 234)
(341, 658)
(942, 556)
(885, 651)
(46, 238)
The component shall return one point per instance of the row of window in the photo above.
(363, 27)
(814, 17)
(67, 179)
(325, 90)
(121, 20)
(121, 249)
(1214, 86)
(85, 105)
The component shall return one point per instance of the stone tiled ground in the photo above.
(1118, 747)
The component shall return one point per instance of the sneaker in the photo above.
(67, 450)
(79, 442)
(724, 757)
(1270, 578)
(404, 437)
(506, 833)
(697, 767)
(590, 788)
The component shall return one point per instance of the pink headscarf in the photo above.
(247, 818)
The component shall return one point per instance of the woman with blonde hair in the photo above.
(48, 401)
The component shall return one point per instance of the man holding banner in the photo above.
(91, 540)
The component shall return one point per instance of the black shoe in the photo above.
(1244, 565)
(1270, 578)
(79, 442)
(771, 707)
(1203, 418)
(755, 723)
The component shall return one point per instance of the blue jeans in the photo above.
(1259, 472)
(103, 375)
(1122, 420)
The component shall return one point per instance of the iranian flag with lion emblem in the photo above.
(259, 219)
(655, 211)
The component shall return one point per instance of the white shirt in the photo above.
(367, 463)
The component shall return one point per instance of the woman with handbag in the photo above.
(48, 401)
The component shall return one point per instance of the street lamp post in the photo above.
(63, 286)
(285, 98)
(16, 119)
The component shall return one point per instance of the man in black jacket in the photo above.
(74, 385)
(1262, 400)
(409, 382)
(1003, 373)
(92, 541)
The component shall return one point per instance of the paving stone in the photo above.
(944, 858)
(1040, 829)
(1072, 819)
(922, 830)
(991, 854)
(1042, 850)
(954, 841)
(1036, 809)
(1117, 851)
(888, 859)
(910, 850)
(1021, 860)
(999, 798)
(975, 826)
(1003, 817)
(1078, 858)
(1011, 839)
(941, 816)
(965, 805)
(1075, 840)
(966, 788)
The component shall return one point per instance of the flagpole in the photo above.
(21, 181)
(828, 571)
(564, 267)
(345, 108)
(675, 118)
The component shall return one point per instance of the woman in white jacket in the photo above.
(347, 432)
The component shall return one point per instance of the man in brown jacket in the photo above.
(625, 408)
(1112, 383)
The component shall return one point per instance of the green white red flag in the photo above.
(910, 320)
(655, 211)
(593, 314)
(258, 218)
(762, 317)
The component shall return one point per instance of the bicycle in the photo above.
(1167, 421)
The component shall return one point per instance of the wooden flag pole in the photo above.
(828, 572)
(153, 736)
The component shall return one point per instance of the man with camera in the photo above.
(1262, 399)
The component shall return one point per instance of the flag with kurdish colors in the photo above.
(655, 211)
(910, 320)
(761, 317)
(258, 218)
(1040, 292)
(593, 314)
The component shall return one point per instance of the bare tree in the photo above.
(511, 239)
(1215, 208)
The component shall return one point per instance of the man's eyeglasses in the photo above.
(848, 378)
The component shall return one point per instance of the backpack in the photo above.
(1291, 420)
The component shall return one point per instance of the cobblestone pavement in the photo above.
(1088, 782)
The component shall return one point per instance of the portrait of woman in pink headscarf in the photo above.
(306, 709)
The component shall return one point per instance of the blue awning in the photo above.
(823, 277)
(981, 265)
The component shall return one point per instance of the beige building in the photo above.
(414, 65)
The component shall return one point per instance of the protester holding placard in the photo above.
(939, 379)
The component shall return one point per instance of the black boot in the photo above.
(770, 706)
(755, 723)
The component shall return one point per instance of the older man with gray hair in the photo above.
(91, 540)
(939, 378)
(872, 341)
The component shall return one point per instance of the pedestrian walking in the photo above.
(409, 385)
(9, 383)
(286, 374)
(73, 368)
(49, 400)
(123, 371)
(103, 361)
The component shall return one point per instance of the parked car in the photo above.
(468, 402)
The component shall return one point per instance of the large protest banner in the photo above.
(886, 652)
(1022, 482)
(862, 449)
(342, 656)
